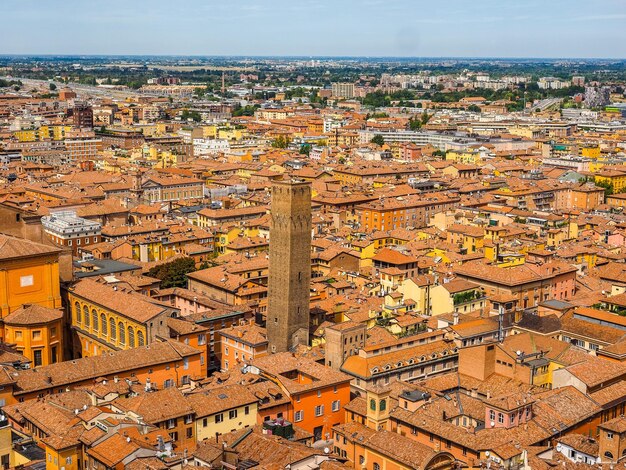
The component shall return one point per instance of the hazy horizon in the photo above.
(304, 56)
(534, 29)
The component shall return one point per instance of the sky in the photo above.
(375, 28)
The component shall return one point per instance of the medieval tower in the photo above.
(290, 266)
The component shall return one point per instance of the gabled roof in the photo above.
(33, 315)
(13, 247)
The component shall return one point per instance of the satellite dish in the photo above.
(326, 450)
(487, 454)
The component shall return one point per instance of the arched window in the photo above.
(608, 455)
(94, 319)
(140, 340)
(112, 332)
(131, 337)
(77, 312)
(86, 315)
(373, 404)
(383, 405)
(120, 328)
(103, 323)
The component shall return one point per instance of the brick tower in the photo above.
(290, 266)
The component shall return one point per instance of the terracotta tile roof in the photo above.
(572, 323)
(562, 408)
(607, 396)
(146, 463)
(268, 394)
(130, 304)
(250, 334)
(13, 247)
(401, 449)
(390, 256)
(581, 443)
(183, 327)
(512, 276)
(79, 370)
(366, 367)
(32, 315)
(156, 407)
(596, 371)
(112, 451)
(216, 400)
(271, 452)
(280, 367)
(459, 285)
(50, 418)
(617, 425)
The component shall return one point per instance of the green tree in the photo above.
(342, 160)
(378, 140)
(305, 149)
(415, 124)
(280, 142)
(193, 115)
(378, 99)
(247, 110)
(474, 108)
(608, 187)
(174, 273)
(52, 87)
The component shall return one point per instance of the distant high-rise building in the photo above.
(343, 90)
(597, 97)
(290, 266)
(578, 81)
(82, 115)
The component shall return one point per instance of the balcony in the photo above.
(462, 298)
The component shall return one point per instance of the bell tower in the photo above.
(290, 266)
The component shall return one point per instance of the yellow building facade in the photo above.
(37, 333)
(29, 276)
(106, 319)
